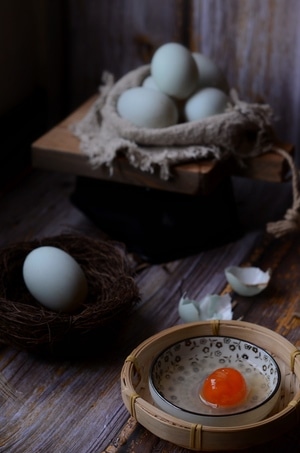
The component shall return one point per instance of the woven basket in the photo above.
(137, 399)
(26, 324)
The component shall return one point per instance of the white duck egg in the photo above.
(204, 103)
(174, 70)
(146, 107)
(55, 279)
(149, 82)
(210, 74)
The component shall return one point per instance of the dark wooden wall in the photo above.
(256, 42)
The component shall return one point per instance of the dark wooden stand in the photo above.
(160, 225)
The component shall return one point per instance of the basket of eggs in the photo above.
(57, 290)
(177, 108)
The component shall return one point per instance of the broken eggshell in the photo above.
(210, 307)
(247, 281)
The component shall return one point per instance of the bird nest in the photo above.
(112, 291)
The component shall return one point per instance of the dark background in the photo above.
(53, 53)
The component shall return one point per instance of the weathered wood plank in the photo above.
(75, 405)
(59, 150)
(250, 40)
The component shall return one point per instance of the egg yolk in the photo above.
(224, 387)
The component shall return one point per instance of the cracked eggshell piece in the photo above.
(247, 281)
(214, 306)
(209, 307)
(188, 310)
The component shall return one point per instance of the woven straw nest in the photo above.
(24, 323)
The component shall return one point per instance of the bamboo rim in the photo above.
(137, 399)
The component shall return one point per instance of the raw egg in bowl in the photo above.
(215, 381)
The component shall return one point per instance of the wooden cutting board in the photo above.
(59, 150)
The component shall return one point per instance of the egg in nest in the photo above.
(55, 279)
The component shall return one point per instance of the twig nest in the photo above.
(247, 281)
(112, 291)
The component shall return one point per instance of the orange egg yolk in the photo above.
(224, 387)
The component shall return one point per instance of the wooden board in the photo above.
(59, 150)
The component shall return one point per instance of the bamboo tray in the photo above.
(137, 399)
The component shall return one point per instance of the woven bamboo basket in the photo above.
(137, 399)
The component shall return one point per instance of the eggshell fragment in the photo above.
(55, 279)
(247, 281)
(212, 306)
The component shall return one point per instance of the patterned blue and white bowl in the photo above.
(178, 373)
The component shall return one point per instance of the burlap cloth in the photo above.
(244, 131)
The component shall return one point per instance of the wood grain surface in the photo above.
(74, 405)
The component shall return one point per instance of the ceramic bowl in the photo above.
(177, 375)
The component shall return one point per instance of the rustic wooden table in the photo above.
(74, 405)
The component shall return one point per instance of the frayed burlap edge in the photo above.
(244, 130)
